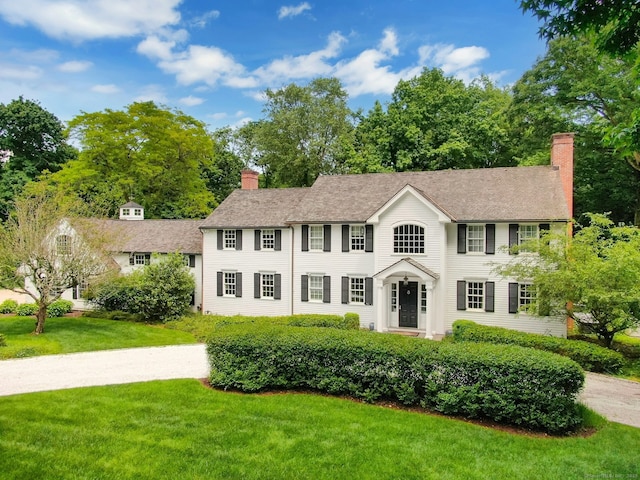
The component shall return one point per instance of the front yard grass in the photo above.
(180, 429)
(82, 334)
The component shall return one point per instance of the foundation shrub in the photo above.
(26, 309)
(59, 308)
(507, 384)
(588, 355)
(8, 306)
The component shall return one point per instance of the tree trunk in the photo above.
(41, 316)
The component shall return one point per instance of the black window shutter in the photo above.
(256, 285)
(327, 238)
(74, 291)
(147, 259)
(238, 284)
(368, 238)
(220, 233)
(513, 298)
(368, 291)
(132, 258)
(326, 289)
(192, 261)
(278, 240)
(277, 286)
(345, 238)
(544, 227)
(238, 239)
(219, 284)
(462, 295)
(305, 238)
(304, 288)
(489, 296)
(490, 239)
(462, 238)
(345, 289)
(513, 236)
(257, 237)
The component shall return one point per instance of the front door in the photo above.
(408, 304)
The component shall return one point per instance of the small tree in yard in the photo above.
(594, 277)
(45, 248)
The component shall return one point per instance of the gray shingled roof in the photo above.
(255, 208)
(488, 194)
(153, 236)
(474, 195)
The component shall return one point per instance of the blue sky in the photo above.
(213, 60)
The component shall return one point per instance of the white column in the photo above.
(381, 306)
(429, 329)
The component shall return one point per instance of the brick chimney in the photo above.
(249, 180)
(562, 159)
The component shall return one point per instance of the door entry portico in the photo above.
(408, 303)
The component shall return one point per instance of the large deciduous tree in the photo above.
(437, 122)
(145, 153)
(46, 248)
(307, 132)
(32, 140)
(593, 277)
(573, 87)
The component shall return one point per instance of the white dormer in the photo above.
(131, 211)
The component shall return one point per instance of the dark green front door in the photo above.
(408, 304)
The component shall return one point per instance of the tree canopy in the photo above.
(436, 122)
(145, 153)
(593, 277)
(32, 140)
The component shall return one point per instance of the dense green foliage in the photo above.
(589, 356)
(26, 309)
(153, 155)
(202, 326)
(131, 431)
(8, 306)
(82, 334)
(32, 141)
(158, 292)
(507, 384)
(59, 308)
(593, 277)
(3, 340)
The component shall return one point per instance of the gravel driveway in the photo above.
(616, 399)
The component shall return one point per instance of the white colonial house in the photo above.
(134, 239)
(407, 251)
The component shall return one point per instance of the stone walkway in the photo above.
(616, 399)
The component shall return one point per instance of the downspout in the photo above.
(291, 278)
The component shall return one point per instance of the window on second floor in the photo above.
(229, 239)
(356, 236)
(268, 239)
(408, 238)
(316, 237)
(63, 245)
(475, 238)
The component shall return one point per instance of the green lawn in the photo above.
(80, 334)
(181, 430)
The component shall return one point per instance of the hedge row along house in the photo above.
(411, 251)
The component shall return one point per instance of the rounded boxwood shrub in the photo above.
(59, 308)
(591, 357)
(507, 384)
(26, 309)
(8, 306)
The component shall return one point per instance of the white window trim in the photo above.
(523, 306)
(262, 285)
(225, 283)
(229, 235)
(139, 256)
(271, 239)
(424, 239)
(351, 290)
(481, 295)
(482, 238)
(362, 239)
(317, 239)
(321, 289)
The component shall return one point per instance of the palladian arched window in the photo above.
(408, 238)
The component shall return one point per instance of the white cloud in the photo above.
(20, 72)
(191, 101)
(202, 20)
(74, 66)
(293, 10)
(152, 93)
(389, 43)
(41, 55)
(109, 89)
(303, 66)
(461, 62)
(91, 19)
(156, 48)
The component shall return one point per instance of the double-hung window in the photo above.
(267, 286)
(521, 296)
(475, 238)
(316, 237)
(229, 284)
(140, 259)
(475, 295)
(408, 239)
(316, 285)
(526, 233)
(357, 237)
(356, 290)
(268, 239)
(229, 239)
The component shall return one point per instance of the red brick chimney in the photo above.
(562, 159)
(249, 179)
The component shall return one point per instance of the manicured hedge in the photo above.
(508, 384)
(349, 322)
(8, 306)
(59, 308)
(591, 357)
(26, 309)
